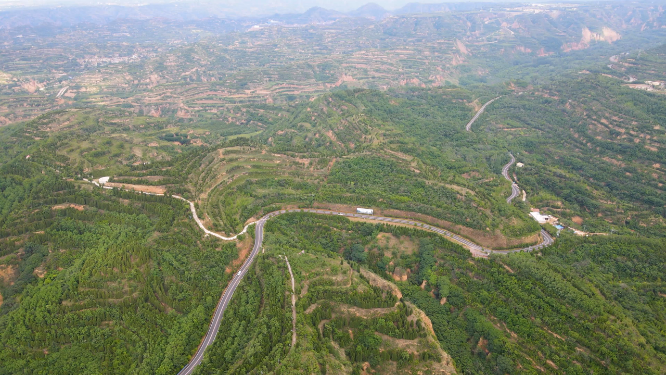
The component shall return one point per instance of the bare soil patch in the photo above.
(461, 47)
(614, 162)
(408, 345)
(8, 274)
(577, 219)
(363, 313)
(311, 308)
(399, 274)
(507, 268)
(446, 365)
(377, 281)
(476, 105)
(400, 155)
(244, 247)
(148, 178)
(502, 326)
(141, 188)
(40, 271)
(68, 205)
(554, 334)
(460, 189)
(403, 244)
(413, 346)
(339, 280)
(534, 363)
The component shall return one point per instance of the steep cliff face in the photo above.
(607, 35)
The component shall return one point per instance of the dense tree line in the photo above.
(255, 333)
(123, 283)
(574, 305)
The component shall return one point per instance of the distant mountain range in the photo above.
(102, 14)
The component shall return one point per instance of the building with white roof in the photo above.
(541, 219)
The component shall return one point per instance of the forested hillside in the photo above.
(586, 304)
(347, 317)
(128, 269)
(121, 279)
(593, 155)
(595, 151)
(99, 281)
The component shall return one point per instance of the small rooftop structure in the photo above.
(541, 219)
(103, 180)
(365, 211)
(520, 165)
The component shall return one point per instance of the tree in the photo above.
(356, 253)
(443, 286)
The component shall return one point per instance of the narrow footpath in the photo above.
(293, 306)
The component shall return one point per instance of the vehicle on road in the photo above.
(228, 293)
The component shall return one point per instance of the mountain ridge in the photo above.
(103, 14)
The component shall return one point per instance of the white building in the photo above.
(541, 219)
(365, 211)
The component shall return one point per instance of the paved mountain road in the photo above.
(259, 234)
(62, 91)
(476, 250)
(213, 328)
(515, 189)
(468, 127)
(225, 299)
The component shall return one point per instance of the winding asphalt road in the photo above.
(214, 326)
(468, 127)
(476, 250)
(515, 189)
(225, 299)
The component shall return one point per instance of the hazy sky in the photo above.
(290, 5)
